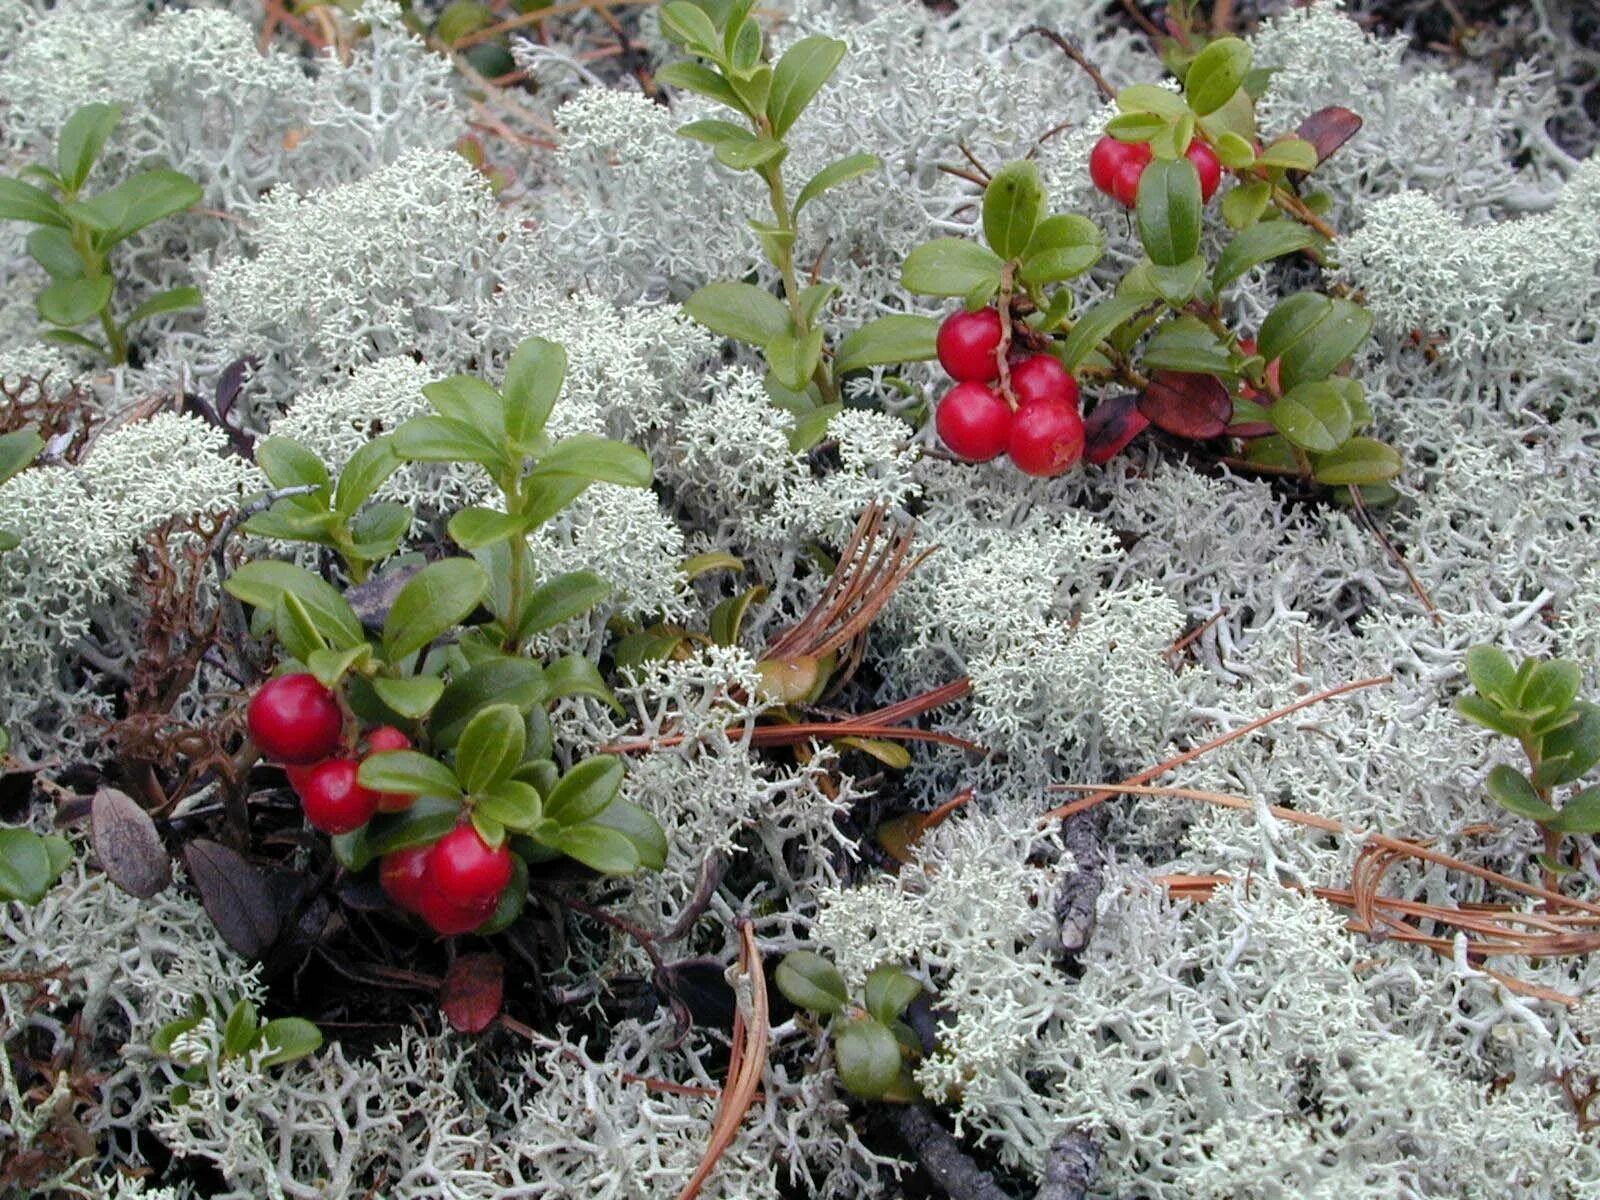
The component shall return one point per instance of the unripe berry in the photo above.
(967, 343)
(403, 874)
(449, 918)
(974, 421)
(333, 801)
(1207, 165)
(1046, 437)
(466, 870)
(1042, 377)
(387, 737)
(294, 719)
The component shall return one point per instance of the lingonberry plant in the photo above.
(1537, 703)
(457, 789)
(243, 1033)
(76, 233)
(873, 1047)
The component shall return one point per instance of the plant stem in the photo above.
(516, 577)
(784, 260)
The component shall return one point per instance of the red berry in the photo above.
(1046, 437)
(1042, 377)
(403, 875)
(1110, 160)
(974, 421)
(1207, 165)
(1125, 183)
(298, 774)
(466, 870)
(448, 917)
(294, 719)
(333, 801)
(381, 739)
(967, 343)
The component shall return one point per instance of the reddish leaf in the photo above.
(1111, 426)
(472, 990)
(235, 895)
(1191, 406)
(127, 844)
(1329, 128)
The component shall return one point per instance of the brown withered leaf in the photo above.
(127, 844)
(1329, 128)
(236, 896)
(472, 991)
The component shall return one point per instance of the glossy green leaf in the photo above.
(53, 250)
(1096, 324)
(728, 616)
(794, 360)
(445, 439)
(597, 459)
(898, 338)
(1013, 203)
(739, 310)
(1148, 98)
(1490, 670)
(701, 79)
(1186, 344)
(514, 804)
(1574, 748)
(296, 629)
(519, 682)
(1258, 244)
(240, 1029)
(867, 1056)
(533, 381)
(596, 846)
(408, 772)
(811, 982)
(433, 601)
(259, 583)
(1313, 416)
(24, 866)
(950, 267)
(288, 464)
(1135, 127)
(798, 77)
(1580, 814)
(1168, 211)
(141, 200)
(1291, 153)
(428, 819)
(839, 171)
(889, 991)
(412, 697)
(471, 528)
(1177, 284)
(365, 472)
(1361, 460)
(1235, 152)
(639, 827)
(23, 202)
(490, 747)
(1336, 338)
(688, 25)
(18, 449)
(1062, 247)
(176, 299)
(1512, 791)
(1216, 74)
(1291, 322)
(575, 675)
(1488, 714)
(560, 599)
(74, 301)
(471, 401)
(291, 1038)
(585, 790)
(1553, 685)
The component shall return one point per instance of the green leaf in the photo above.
(575, 675)
(1148, 98)
(377, 530)
(1360, 460)
(560, 599)
(1337, 337)
(490, 747)
(445, 439)
(1291, 153)
(1580, 814)
(1216, 73)
(77, 341)
(749, 152)
(53, 250)
(1488, 714)
(739, 310)
(24, 866)
(1512, 791)
(688, 25)
(713, 560)
(240, 1029)
(889, 991)
(23, 202)
(1553, 685)
(728, 616)
(434, 600)
(1574, 747)
(697, 77)
(1173, 139)
(1235, 152)
(639, 827)
(471, 401)
(365, 472)
(811, 982)
(533, 382)
(288, 464)
(794, 360)
(1135, 127)
(891, 754)
(519, 682)
(18, 449)
(1490, 670)
(73, 301)
(135, 203)
(409, 773)
(596, 846)
(585, 790)
(161, 1042)
(1291, 322)
(597, 459)
(427, 820)
(514, 804)
(259, 583)
(950, 267)
(1013, 202)
(1177, 284)
(1259, 244)
(798, 77)
(839, 171)
(1313, 416)
(173, 300)
(291, 1038)
(1168, 211)
(867, 1056)
(471, 528)
(1062, 247)
(898, 338)
(329, 666)
(412, 697)
(1186, 344)
(1096, 324)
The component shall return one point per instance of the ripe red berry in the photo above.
(449, 918)
(294, 719)
(1125, 183)
(1207, 165)
(298, 773)
(1046, 437)
(1042, 377)
(466, 870)
(1115, 167)
(967, 343)
(387, 737)
(333, 801)
(974, 421)
(403, 874)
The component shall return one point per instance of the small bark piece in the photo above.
(941, 1156)
(1070, 1168)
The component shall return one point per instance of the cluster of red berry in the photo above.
(1116, 168)
(453, 884)
(1038, 424)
